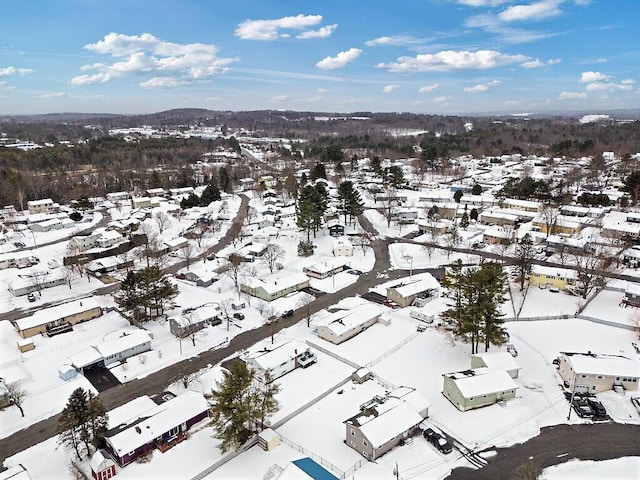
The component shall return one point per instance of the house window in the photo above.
(364, 442)
(600, 377)
(353, 434)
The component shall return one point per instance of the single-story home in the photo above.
(326, 268)
(478, 387)
(59, 318)
(176, 244)
(497, 361)
(342, 325)
(632, 295)
(47, 226)
(591, 372)
(278, 360)
(274, 286)
(386, 421)
(115, 347)
(342, 247)
(160, 427)
(23, 286)
(422, 286)
(194, 320)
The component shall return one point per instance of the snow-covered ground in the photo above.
(627, 468)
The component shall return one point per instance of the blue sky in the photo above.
(423, 56)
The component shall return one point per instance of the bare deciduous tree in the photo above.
(272, 254)
(163, 220)
(304, 304)
(187, 254)
(234, 268)
(549, 214)
(16, 395)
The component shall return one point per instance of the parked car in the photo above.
(31, 297)
(390, 304)
(437, 440)
(287, 313)
(18, 244)
(478, 245)
(597, 407)
(238, 316)
(581, 406)
(353, 271)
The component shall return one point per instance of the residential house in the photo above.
(496, 216)
(326, 268)
(108, 264)
(47, 225)
(336, 228)
(499, 235)
(13, 259)
(524, 205)
(109, 238)
(176, 244)
(274, 361)
(46, 205)
(118, 196)
(160, 427)
(24, 285)
(386, 421)
(194, 320)
(439, 227)
(342, 247)
(593, 373)
(265, 235)
(81, 243)
(58, 319)
(497, 361)
(140, 202)
(568, 245)
(155, 192)
(631, 256)
(422, 286)
(17, 472)
(274, 286)
(342, 325)
(553, 277)
(478, 387)
(116, 347)
(201, 275)
(562, 226)
(632, 295)
(407, 215)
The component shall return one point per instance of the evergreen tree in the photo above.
(464, 220)
(319, 171)
(524, 257)
(473, 214)
(376, 165)
(144, 293)
(191, 201)
(350, 201)
(224, 180)
(457, 196)
(395, 176)
(476, 295)
(83, 422)
(476, 189)
(210, 194)
(241, 405)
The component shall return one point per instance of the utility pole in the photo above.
(396, 472)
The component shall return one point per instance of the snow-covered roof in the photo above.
(277, 282)
(482, 381)
(128, 339)
(602, 364)
(553, 271)
(425, 282)
(498, 360)
(158, 421)
(327, 265)
(412, 397)
(46, 315)
(17, 472)
(632, 289)
(345, 320)
(278, 355)
(393, 417)
(98, 457)
(88, 356)
(176, 242)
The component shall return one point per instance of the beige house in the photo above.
(59, 318)
(423, 286)
(342, 325)
(342, 247)
(591, 372)
(478, 387)
(46, 205)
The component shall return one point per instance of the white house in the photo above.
(342, 247)
(326, 268)
(497, 361)
(81, 243)
(114, 348)
(278, 360)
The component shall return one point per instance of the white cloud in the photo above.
(533, 64)
(450, 60)
(533, 11)
(145, 53)
(280, 98)
(270, 29)
(6, 86)
(572, 95)
(554, 61)
(340, 60)
(161, 82)
(321, 90)
(54, 95)
(5, 72)
(588, 77)
(483, 87)
(625, 85)
(442, 99)
(389, 88)
(428, 88)
(482, 3)
(602, 60)
(322, 32)
(396, 41)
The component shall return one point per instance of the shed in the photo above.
(268, 439)
(102, 467)
(67, 372)
(361, 375)
(25, 344)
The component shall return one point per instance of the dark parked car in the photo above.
(597, 407)
(238, 315)
(582, 407)
(31, 297)
(287, 313)
(437, 440)
(353, 271)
